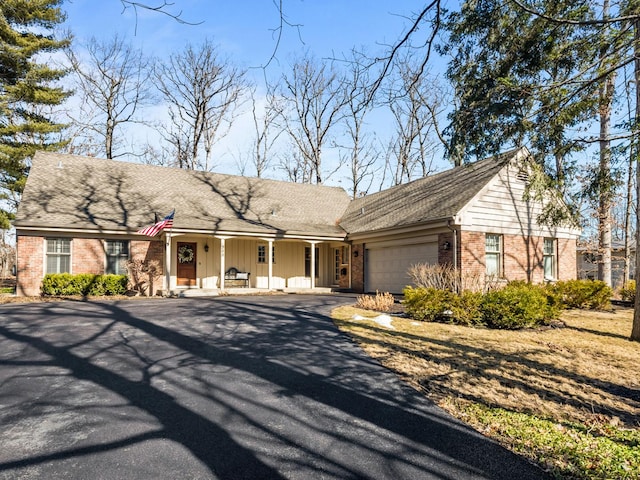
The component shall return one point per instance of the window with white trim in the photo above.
(262, 254)
(58, 255)
(117, 252)
(549, 259)
(493, 255)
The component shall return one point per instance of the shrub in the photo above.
(382, 302)
(435, 305)
(590, 294)
(628, 291)
(465, 308)
(446, 277)
(63, 284)
(518, 305)
(425, 303)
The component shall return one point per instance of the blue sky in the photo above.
(244, 29)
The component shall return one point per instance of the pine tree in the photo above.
(510, 70)
(28, 90)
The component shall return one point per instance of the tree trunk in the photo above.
(635, 331)
(627, 220)
(604, 178)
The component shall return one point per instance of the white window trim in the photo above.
(106, 253)
(45, 253)
(499, 252)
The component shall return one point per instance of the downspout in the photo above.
(455, 242)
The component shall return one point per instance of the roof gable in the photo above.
(432, 198)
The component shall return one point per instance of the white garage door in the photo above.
(386, 268)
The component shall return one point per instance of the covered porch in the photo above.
(209, 264)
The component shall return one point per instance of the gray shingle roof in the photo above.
(67, 191)
(431, 198)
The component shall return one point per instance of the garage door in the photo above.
(386, 268)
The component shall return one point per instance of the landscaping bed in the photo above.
(567, 398)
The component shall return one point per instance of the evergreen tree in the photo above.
(510, 70)
(27, 92)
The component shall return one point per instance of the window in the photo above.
(549, 259)
(493, 255)
(262, 254)
(117, 256)
(337, 265)
(58, 255)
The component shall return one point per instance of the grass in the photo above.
(566, 398)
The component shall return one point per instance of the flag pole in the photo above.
(167, 258)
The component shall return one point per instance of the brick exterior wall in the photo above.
(357, 267)
(87, 256)
(30, 268)
(445, 256)
(522, 257)
(567, 261)
(148, 251)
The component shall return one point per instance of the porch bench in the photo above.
(234, 278)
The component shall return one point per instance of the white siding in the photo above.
(501, 208)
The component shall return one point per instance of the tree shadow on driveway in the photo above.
(235, 387)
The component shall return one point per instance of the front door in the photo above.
(186, 264)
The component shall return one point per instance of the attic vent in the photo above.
(59, 163)
(523, 176)
(361, 210)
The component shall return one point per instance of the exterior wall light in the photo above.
(206, 247)
(446, 246)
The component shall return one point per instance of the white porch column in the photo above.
(313, 264)
(222, 267)
(167, 263)
(270, 259)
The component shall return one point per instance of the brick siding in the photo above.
(148, 251)
(445, 256)
(522, 257)
(30, 269)
(87, 256)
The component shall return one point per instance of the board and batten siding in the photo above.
(242, 254)
(501, 208)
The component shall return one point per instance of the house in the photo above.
(588, 259)
(82, 215)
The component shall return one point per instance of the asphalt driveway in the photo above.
(227, 387)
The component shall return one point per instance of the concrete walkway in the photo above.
(228, 387)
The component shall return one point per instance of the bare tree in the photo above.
(266, 129)
(316, 99)
(202, 91)
(359, 152)
(111, 78)
(414, 102)
(296, 168)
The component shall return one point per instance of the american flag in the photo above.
(156, 228)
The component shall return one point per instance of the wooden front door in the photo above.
(186, 264)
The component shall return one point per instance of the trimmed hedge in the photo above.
(435, 305)
(85, 284)
(517, 305)
(588, 294)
